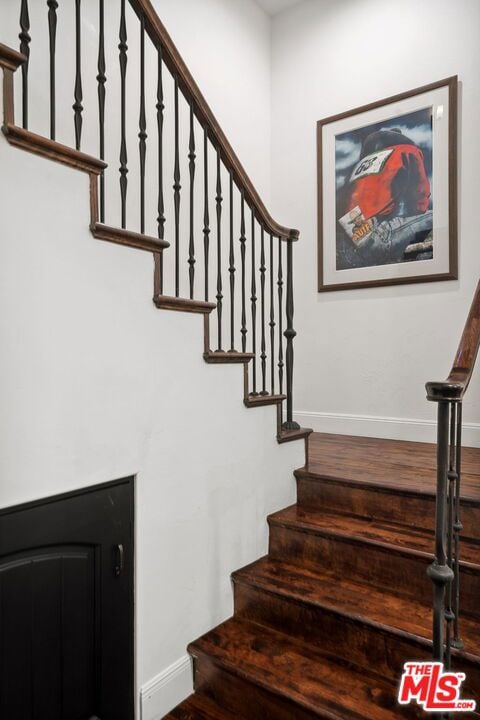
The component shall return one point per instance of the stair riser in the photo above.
(365, 645)
(242, 697)
(379, 504)
(366, 562)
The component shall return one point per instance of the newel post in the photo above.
(289, 335)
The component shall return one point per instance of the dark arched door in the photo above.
(66, 607)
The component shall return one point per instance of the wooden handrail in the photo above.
(455, 386)
(172, 58)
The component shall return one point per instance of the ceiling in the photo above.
(273, 7)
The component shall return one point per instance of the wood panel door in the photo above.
(66, 606)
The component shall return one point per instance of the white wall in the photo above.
(370, 351)
(97, 384)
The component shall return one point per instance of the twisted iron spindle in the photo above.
(290, 334)
(206, 212)
(231, 270)
(52, 39)
(272, 322)
(280, 317)
(263, 347)
(191, 165)
(243, 240)
(101, 80)
(253, 301)
(78, 92)
(142, 125)
(219, 200)
(176, 193)
(439, 571)
(123, 47)
(25, 40)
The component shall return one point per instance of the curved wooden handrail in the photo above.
(172, 58)
(455, 386)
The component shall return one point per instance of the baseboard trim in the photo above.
(163, 692)
(383, 427)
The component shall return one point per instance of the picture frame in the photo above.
(387, 191)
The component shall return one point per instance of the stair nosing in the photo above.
(239, 578)
(305, 474)
(250, 677)
(360, 540)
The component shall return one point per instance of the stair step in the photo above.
(385, 555)
(166, 302)
(397, 464)
(52, 150)
(198, 707)
(370, 499)
(259, 673)
(370, 627)
(290, 435)
(261, 400)
(220, 357)
(128, 238)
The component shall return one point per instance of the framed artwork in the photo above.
(387, 191)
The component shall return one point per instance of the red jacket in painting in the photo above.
(389, 180)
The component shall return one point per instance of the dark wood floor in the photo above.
(390, 463)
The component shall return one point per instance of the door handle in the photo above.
(119, 560)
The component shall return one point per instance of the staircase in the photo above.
(323, 625)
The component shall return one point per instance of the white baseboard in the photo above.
(382, 427)
(163, 692)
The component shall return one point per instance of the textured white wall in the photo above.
(97, 384)
(370, 351)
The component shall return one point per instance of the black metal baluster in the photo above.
(439, 572)
(206, 214)
(219, 200)
(52, 37)
(457, 529)
(243, 241)
(176, 193)
(191, 249)
(280, 318)
(263, 347)
(160, 115)
(78, 92)
(101, 80)
(272, 322)
(231, 270)
(253, 301)
(25, 40)
(142, 125)
(449, 615)
(290, 334)
(123, 47)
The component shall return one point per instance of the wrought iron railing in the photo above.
(445, 569)
(226, 247)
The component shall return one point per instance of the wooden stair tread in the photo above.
(198, 707)
(167, 302)
(401, 465)
(398, 538)
(298, 673)
(289, 435)
(219, 357)
(358, 601)
(261, 400)
(52, 150)
(128, 238)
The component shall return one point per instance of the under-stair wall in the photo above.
(97, 384)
